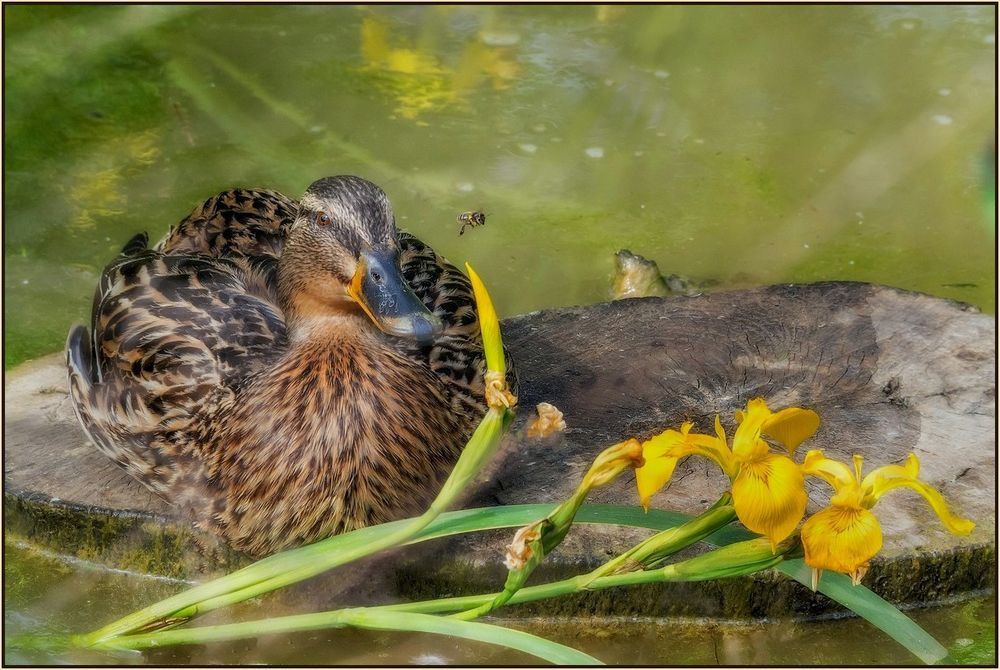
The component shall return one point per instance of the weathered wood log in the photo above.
(890, 372)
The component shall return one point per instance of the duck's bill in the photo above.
(378, 286)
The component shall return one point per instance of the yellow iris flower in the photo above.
(846, 535)
(768, 489)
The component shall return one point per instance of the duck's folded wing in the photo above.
(440, 286)
(187, 315)
(171, 335)
(239, 222)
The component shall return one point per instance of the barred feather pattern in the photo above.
(245, 221)
(189, 383)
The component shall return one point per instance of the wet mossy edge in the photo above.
(122, 539)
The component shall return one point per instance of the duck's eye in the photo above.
(323, 219)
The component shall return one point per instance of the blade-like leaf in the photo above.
(871, 607)
(838, 587)
(373, 619)
(473, 630)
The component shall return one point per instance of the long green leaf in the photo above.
(860, 600)
(373, 619)
(870, 606)
(473, 630)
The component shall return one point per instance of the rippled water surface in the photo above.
(739, 144)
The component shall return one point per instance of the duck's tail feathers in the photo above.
(80, 370)
(136, 245)
(79, 358)
(96, 404)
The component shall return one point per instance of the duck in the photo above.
(281, 371)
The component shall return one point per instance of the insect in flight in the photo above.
(471, 219)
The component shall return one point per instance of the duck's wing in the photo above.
(457, 354)
(171, 334)
(241, 221)
(442, 287)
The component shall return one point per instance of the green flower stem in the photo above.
(296, 565)
(553, 528)
(651, 551)
(733, 560)
(640, 557)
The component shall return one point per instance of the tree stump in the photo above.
(889, 372)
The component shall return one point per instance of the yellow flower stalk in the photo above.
(768, 489)
(846, 535)
(498, 395)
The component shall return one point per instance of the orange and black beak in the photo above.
(378, 286)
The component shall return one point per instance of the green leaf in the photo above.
(473, 630)
(374, 619)
(860, 600)
(871, 607)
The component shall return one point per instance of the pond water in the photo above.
(739, 144)
(742, 145)
(43, 591)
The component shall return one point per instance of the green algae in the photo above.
(134, 542)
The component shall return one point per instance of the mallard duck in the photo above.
(282, 371)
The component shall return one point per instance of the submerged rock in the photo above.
(639, 277)
(889, 372)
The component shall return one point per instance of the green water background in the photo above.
(745, 145)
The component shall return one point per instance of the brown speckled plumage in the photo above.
(226, 372)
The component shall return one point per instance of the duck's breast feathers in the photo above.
(241, 221)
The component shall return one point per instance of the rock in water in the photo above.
(637, 277)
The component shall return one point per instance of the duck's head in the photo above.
(342, 256)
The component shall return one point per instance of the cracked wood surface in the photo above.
(889, 372)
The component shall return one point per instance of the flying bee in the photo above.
(471, 219)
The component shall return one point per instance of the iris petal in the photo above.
(662, 452)
(792, 426)
(841, 538)
(888, 477)
(712, 448)
(657, 468)
(653, 476)
(748, 432)
(834, 473)
(769, 496)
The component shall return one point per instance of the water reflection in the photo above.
(420, 82)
